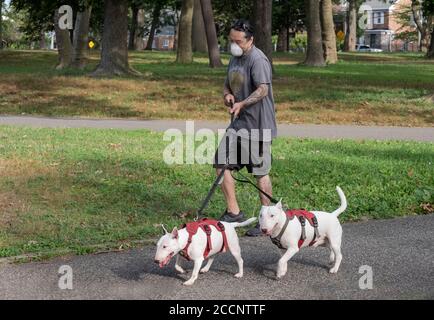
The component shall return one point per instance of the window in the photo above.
(166, 43)
(379, 17)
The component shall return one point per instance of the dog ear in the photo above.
(279, 204)
(175, 233)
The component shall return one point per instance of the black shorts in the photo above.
(239, 152)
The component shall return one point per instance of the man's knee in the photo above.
(260, 176)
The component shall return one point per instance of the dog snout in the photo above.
(156, 261)
(264, 230)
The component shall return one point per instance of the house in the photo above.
(381, 25)
(164, 39)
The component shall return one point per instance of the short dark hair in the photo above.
(245, 26)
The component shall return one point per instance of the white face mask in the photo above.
(236, 50)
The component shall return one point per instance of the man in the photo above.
(247, 143)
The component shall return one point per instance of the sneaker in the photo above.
(230, 217)
(254, 232)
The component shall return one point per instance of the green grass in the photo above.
(79, 190)
(367, 89)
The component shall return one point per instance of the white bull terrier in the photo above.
(272, 220)
(173, 243)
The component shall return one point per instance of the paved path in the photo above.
(400, 252)
(288, 130)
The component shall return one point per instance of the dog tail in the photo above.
(343, 206)
(243, 224)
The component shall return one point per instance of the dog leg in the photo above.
(178, 266)
(197, 265)
(335, 244)
(234, 248)
(207, 266)
(283, 262)
(332, 256)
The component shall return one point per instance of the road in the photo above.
(399, 251)
(285, 130)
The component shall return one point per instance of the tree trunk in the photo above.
(139, 42)
(155, 22)
(282, 40)
(262, 22)
(64, 46)
(211, 34)
(314, 55)
(328, 32)
(430, 53)
(114, 51)
(1, 24)
(42, 42)
(351, 32)
(199, 34)
(133, 29)
(185, 53)
(81, 38)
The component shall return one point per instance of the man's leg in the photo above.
(261, 153)
(228, 188)
(264, 183)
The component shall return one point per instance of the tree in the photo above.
(81, 38)
(211, 34)
(114, 52)
(64, 46)
(139, 43)
(199, 40)
(428, 8)
(184, 52)
(328, 32)
(133, 29)
(288, 16)
(262, 25)
(1, 24)
(351, 32)
(155, 22)
(423, 18)
(314, 55)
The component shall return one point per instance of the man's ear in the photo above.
(175, 233)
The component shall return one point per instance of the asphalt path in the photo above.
(400, 253)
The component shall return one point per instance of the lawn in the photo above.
(362, 89)
(81, 190)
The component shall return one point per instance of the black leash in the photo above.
(247, 180)
(220, 176)
(217, 181)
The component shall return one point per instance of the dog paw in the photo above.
(333, 270)
(188, 283)
(180, 270)
(280, 275)
(203, 270)
(239, 275)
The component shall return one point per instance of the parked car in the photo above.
(366, 48)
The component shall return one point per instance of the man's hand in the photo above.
(236, 109)
(229, 100)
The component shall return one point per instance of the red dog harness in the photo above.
(302, 216)
(205, 224)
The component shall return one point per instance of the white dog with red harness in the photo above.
(293, 234)
(200, 240)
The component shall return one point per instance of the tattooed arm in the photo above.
(257, 95)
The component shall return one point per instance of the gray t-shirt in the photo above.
(245, 74)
